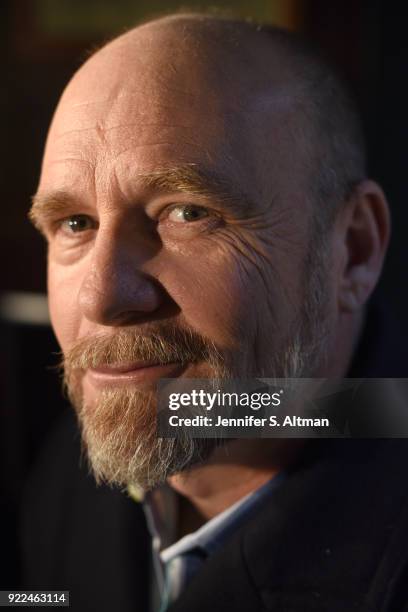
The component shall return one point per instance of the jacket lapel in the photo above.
(329, 539)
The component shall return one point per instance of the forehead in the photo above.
(147, 79)
(146, 102)
(130, 99)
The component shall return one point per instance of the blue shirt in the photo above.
(176, 563)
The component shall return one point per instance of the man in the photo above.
(205, 201)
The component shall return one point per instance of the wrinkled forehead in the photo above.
(140, 87)
(159, 85)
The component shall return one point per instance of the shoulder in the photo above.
(77, 535)
(336, 532)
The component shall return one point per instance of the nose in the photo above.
(117, 289)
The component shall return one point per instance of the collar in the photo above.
(161, 510)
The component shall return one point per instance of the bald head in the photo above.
(233, 76)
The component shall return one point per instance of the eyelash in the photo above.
(173, 207)
(78, 216)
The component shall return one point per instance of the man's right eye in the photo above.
(76, 224)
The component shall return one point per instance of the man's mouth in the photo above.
(138, 372)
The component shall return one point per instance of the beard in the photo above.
(118, 430)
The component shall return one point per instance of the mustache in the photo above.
(162, 345)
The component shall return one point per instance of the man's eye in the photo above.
(76, 224)
(187, 213)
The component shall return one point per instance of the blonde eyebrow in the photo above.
(194, 180)
(49, 205)
(188, 178)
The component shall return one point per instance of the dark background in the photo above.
(42, 44)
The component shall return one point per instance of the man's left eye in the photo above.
(187, 213)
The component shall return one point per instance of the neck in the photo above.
(234, 471)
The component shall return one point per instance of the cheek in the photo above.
(63, 305)
(218, 294)
(242, 292)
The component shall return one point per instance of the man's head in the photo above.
(203, 193)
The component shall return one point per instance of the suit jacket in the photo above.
(333, 537)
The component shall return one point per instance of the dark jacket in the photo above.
(333, 537)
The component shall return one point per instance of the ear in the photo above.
(363, 232)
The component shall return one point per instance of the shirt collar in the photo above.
(161, 509)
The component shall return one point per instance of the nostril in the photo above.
(112, 299)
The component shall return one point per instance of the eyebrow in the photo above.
(48, 206)
(189, 178)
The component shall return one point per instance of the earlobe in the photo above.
(349, 300)
(365, 236)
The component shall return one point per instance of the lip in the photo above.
(132, 373)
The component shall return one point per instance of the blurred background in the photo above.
(42, 43)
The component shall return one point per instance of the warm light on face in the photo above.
(156, 227)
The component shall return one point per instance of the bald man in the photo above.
(208, 215)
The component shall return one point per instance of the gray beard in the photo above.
(119, 432)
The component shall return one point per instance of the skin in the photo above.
(143, 103)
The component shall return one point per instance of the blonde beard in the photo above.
(119, 438)
(119, 427)
(119, 432)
